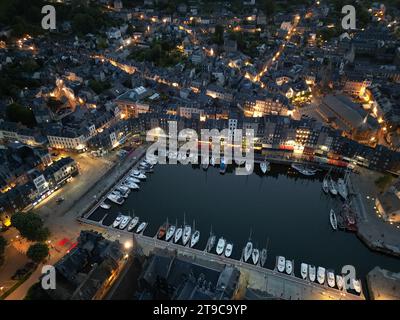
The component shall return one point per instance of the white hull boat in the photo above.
(178, 235)
(289, 267)
(117, 221)
(195, 238)
(339, 282)
(220, 246)
(321, 275)
(303, 169)
(138, 174)
(105, 206)
(330, 277)
(325, 185)
(170, 232)
(115, 198)
(255, 256)
(281, 264)
(141, 227)
(265, 166)
(332, 187)
(133, 223)
(304, 270)
(342, 189)
(228, 250)
(357, 285)
(311, 273)
(263, 257)
(333, 220)
(187, 231)
(124, 222)
(131, 185)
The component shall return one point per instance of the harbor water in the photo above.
(283, 206)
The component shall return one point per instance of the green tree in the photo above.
(218, 36)
(38, 252)
(83, 23)
(269, 7)
(30, 226)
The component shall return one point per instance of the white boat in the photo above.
(124, 222)
(172, 155)
(325, 185)
(170, 232)
(205, 164)
(212, 161)
(134, 180)
(138, 174)
(333, 220)
(339, 282)
(141, 227)
(115, 198)
(303, 169)
(342, 189)
(195, 238)
(304, 270)
(248, 250)
(105, 205)
(123, 191)
(220, 246)
(330, 277)
(228, 250)
(187, 231)
(265, 166)
(255, 255)
(332, 186)
(117, 221)
(131, 185)
(357, 285)
(311, 273)
(133, 223)
(281, 264)
(178, 234)
(249, 167)
(321, 275)
(288, 267)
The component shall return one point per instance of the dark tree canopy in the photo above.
(30, 226)
(38, 252)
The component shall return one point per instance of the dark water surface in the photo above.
(291, 210)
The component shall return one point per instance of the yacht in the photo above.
(265, 166)
(330, 276)
(132, 179)
(357, 285)
(141, 227)
(248, 250)
(220, 246)
(205, 164)
(117, 221)
(228, 249)
(321, 275)
(170, 232)
(342, 188)
(211, 241)
(124, 222)
(249, 167)
(104, 205)
(332, 186)
(195, 238)
(138, 174)
(339, 282)
(289, 267)
(124, 191)
(325, 185)
(304, 270)
(178, 234)
(303, 169)
(263, 257)
(255, 255)
(333, 220)
(281, 264)
(131, 185)
(146, 168)
(116, 198)
(162, 231)
(133, 223)
(311, 272)
(187, 232)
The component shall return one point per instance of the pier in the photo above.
(278, 284)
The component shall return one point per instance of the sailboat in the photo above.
(339, 282)
(342, 188)
(170, 231)
(325, 184)
(330, 278)
(304, 270)
(228, 249)
(289, 267)
(195, 236)
(220, 246)
(211, 241)
(281, 264)
(248, 249)
(357, 285)
(311, 272)
(265, 166)
(321, 275)
(133, 223)
(332, 186)
(264, 254)
(163, 230)
(187, 232)
(178, 234)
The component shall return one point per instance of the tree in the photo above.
(83, 23)
(30, 226)
(17, 113)
(3, 244)
(38, 252)
(218, 36)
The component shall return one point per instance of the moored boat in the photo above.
(357, 285)
(339, 282)
(124, 222)
(281, 264)
(263, 258)
(133, 223)
(228, 250)
(178, 234)
(104, 205)
(333, 220)
(330, 276)
(255, 255)
(265, 166)
(141, 227)
(325, 185)
(117, 221)
(342, 188)
(321, 275)
(170, 232)
(303, 169)
(195, 238)
(116, 198)
(248, 249)
(304, 270)
(289, 267)
(332, 186)
(220, 246)
(311, 273)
